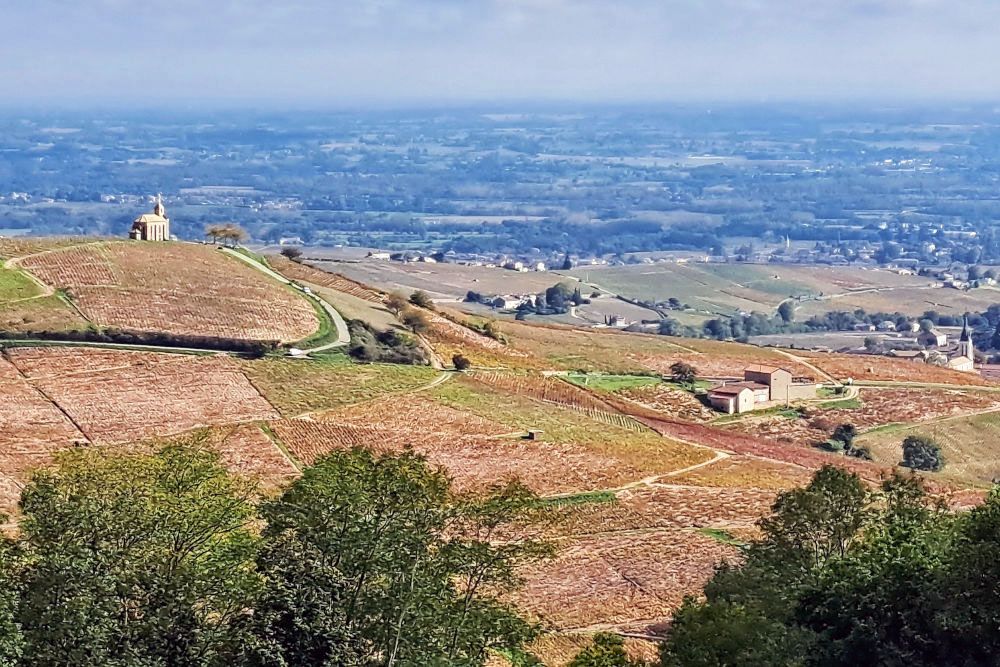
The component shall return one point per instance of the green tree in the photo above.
(135, 559)
(922, 453)
(418, 566)
(606, 650)
(683, 373)
(846, 434)
(786, 310)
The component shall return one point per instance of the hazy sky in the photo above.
(406, 52)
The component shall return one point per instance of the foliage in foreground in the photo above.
(166, 560)
(847, 576)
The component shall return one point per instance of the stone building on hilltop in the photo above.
(153, 226)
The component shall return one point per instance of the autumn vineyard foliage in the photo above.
(174, 288)
(643, 491)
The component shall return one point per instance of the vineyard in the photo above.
(174, 288)
(747, 473)
(878, 407)
(475, 462)
(873, 367)
(671, 401)
(31, 430)
(629, 580)
(335, 281)
(415, 413)
(138, 398)
(248, 451)
(297, 386)
(21, 246)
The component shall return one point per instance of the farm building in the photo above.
(932, 338)
(761, 385)
(153, 226)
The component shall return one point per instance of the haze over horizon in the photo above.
(428, 52)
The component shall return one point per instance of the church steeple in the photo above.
(965, 348)
(158, 208)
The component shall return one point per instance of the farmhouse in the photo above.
(153, 226)
(761, 385)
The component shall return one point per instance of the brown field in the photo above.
(248, 451)
(142, 395)
(175, 288)
(743, 472)
(627, 580)
(475, 463)
(417, 413)
(670, 401)
(863, 367)
(31, 429)
(21, 246)
(739, 443)
(558, 650)
(335, 281)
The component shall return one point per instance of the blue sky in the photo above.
(416, 52)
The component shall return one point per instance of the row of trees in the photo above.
(844, 575)
(166, 560)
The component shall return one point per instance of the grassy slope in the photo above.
(968, 443)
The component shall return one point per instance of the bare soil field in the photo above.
(175, 288)
(143, 395)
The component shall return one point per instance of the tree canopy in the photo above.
(166, 560)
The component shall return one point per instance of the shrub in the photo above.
(422, 299)
(461, 362)
(922, 453)
(832, 445)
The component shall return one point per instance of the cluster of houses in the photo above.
(957, 355)
(762, 387)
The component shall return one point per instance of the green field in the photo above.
(297, 386)
(16, 285)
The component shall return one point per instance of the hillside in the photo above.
(174, 288)
(645, 489)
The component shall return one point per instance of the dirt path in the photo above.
(343, 335)
(816, 369)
